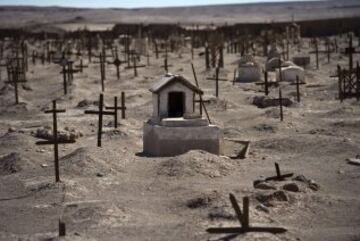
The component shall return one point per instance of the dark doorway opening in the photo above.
(176, 104)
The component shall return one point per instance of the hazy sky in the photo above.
(125, 3)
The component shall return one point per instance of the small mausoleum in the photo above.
(175, 126)
(248, 70)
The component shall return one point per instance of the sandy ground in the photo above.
(116, 193)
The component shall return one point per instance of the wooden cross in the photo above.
(116, 108)
(100, 114)
(281, 105)
(81, 66)
(243, 218)
(217, 79)
(298, 83)
(202, 105)
(102, 70)
(55, 141)
(134, 66)
(316, 53)
(279, 176)
(350, 51)
(166, 65)
(117, 62)
(15, 81)
(62, 228)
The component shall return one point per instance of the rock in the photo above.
(262, 208)
(265, 101)
(280, 196)
(256, 182)
(268, 199)
(313, 185)
(301, 178)
(264, 186)
(353, 161)
(27, 87)
(221, 213)
(99, 174)
(11, 129)
(204, 200)
(63, 135)
(44, 165)
(291, 187)
(86, 103)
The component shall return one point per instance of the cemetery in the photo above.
(113, 129)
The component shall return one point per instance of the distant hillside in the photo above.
(21, 16)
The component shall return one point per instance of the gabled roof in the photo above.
(169, 79)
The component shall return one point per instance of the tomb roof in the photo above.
(169, 79)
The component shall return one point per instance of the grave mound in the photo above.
(90, 162)
(195, 163)
(12, 163)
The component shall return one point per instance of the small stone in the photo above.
(280, 196)
(263, 208)
(44, 165)
(99, 174)
(11, 129)
(341, 172)
(264, 186)
(353, 161)
(291, 187)
(313, 185)
(301, 178)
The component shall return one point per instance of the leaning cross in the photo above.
(243, 218)
(279, 176)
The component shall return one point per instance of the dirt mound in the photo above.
(265, 102)
(16, 142)
(12, 163)
(90, 161)
(195, 163)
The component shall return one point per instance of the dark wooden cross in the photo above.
(217, 79)
(281, 105)
(15, 80)
(350, 51)
(298, 83)
(81, 66)
(55, 140)
(243, 218)
(116, 108)
(135, 66)
(62, 228)
(316, 52)
(117, 62)
(202, 105)
(100, 114)
(102, 70)
(279, 176)
(166, 65)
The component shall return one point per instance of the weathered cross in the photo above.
(279, 176)
(134, 66)
(243, 218)
(81, 66)
(15, 81)
(55, 140)
(100, 114)
(202, 105)
(116, 108)
(217, 79)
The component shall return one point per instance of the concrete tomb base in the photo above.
(164, 141)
